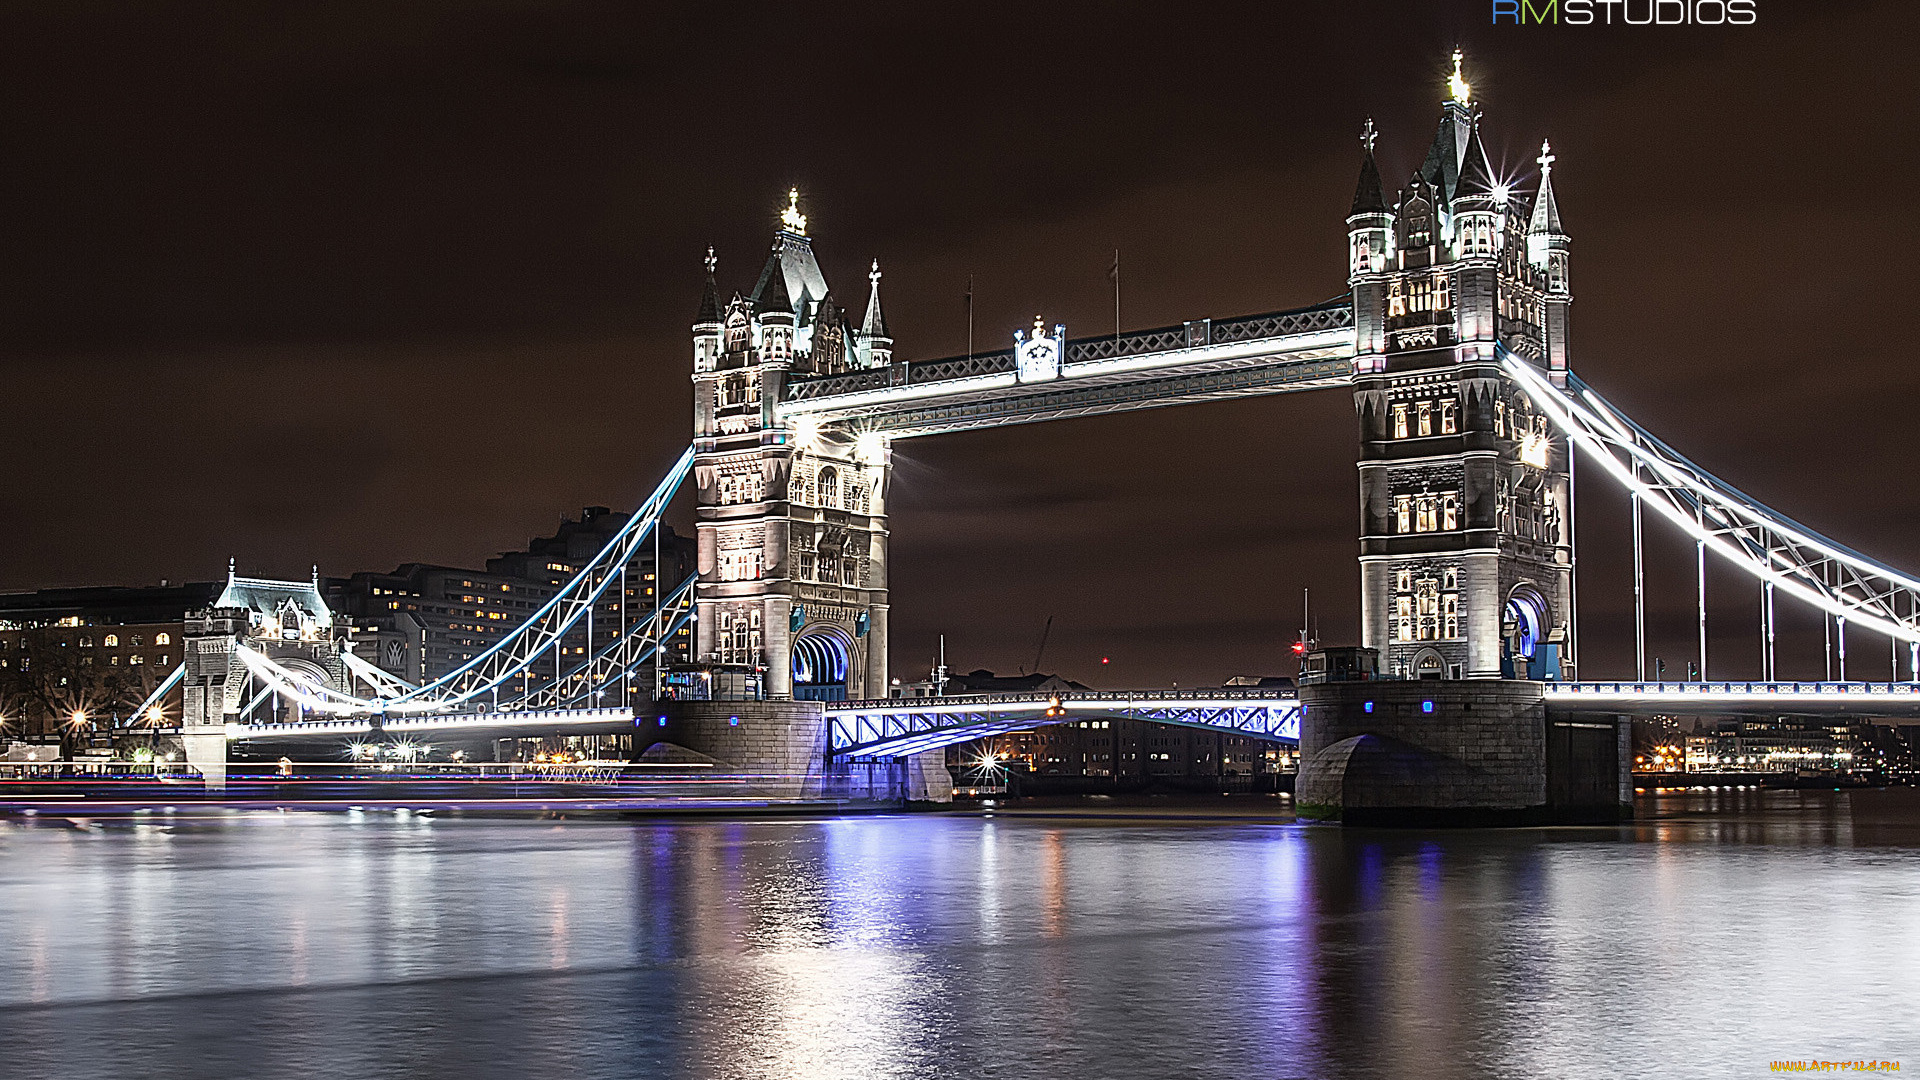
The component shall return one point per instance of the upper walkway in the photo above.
(1203, 360)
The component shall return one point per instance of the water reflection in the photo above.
(1725, 930)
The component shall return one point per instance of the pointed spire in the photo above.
(775, 296)
(1458, 89)
(1367, 196)
(791, 219)
(1476, 176)
(710, 300)
(875, 325)
(1546, 210)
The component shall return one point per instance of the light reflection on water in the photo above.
(1724, 931)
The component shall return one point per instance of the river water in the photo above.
(1722, 932)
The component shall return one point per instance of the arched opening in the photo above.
(1429, 664)
(1524, 626)
(820, 664)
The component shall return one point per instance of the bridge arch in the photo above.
(822, 658)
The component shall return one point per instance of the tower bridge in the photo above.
(1452, 335)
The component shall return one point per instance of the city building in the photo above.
(421, 621)
(1789, 745)
(77, 660)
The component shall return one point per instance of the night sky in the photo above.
(344, 284)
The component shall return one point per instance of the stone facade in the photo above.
(1466, 541)
(1470, 752)
(791, 516)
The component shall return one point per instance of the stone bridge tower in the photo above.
(791, 517)
(1466, 498)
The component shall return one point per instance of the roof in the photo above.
(1442, 167)
(803, 281)
(875, 324)
(1476, 175)
(1546, 209)
(268, 596)
(771, 294)
(1367, 196)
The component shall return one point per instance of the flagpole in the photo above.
(1116, 301)
(969, 316)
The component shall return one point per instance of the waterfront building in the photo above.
(1786, 745)
(76, 661)
(422, 621)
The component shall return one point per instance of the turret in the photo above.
(1369, 222)
(875, 344)
(1547, 248)
(1477, 204)
(706, 325)
(773, 312)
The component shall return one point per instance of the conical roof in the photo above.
(1546, 209)
(1476, 175)
(710, 300)
(875, 325)
(1367, 195)
(771, 294)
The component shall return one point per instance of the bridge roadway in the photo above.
(896, 727)
(1204, 360)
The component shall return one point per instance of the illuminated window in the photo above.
(1400, 420)
(1425, 520)
(111, 640)
(1403, 513)
(829, 484)
(86, 643)
(1500, 419)
(136, 658)
(1396, 303)
(1449, 511)
(163, 639)
(1449, 615)
(1426, 418)
(1403, 582)
(1447, 425)
(1451, 579)
(1440, 297)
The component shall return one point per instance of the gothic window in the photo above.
(1403, 582)
(160, 639)
(1500, 419)
(741, 565)
(1402, 514)
(1440, 298)
(1425, 520)
(829, 485)
(87, 642)
(727, 494)
(1450, 615)
(1403, 618)
(1451, 579)
(1396, 303)
(1362, 255)
(1400, 420)
(1426, 418)
(1449, 511)
(1447, 425)
(803, 565)
(112, 640)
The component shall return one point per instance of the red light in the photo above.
(1299, 648)
(1104, 660)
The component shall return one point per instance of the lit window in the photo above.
(1400, 420)
(1426, 418)
(1449, 512)
(163, 639)
(111, 640)
(1425, 520)
(1451, 579)
(1403, 582)
(136, 658)
(86, 643)
(1447, 425)
(1403, 513)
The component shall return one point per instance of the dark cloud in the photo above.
(357, 283)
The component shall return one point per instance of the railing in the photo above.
(1802, 690)
(1333, 315)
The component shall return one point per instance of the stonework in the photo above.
(1466, 514)
(791, 516)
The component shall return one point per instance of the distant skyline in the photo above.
(346, 285)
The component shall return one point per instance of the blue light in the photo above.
(663, 721)
(1368, 706)
(1426, 706)
(733, 721)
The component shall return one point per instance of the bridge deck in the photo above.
(1302, 349)
(896, 727)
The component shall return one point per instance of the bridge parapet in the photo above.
(896, 727)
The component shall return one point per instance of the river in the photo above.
(1723, 931)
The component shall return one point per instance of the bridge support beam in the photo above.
(782, 745)
(1473, 752)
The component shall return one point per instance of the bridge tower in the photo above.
(791, 517)
(1466, 549)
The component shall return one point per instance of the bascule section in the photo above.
(791, 510)
(1466, 549)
